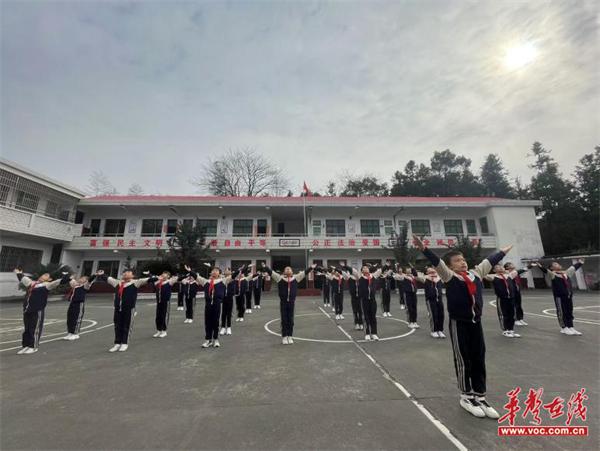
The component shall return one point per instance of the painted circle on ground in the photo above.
(47, 322)
(268, 323)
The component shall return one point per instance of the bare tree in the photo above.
(99, 185)
(135, 190)
(242, 172)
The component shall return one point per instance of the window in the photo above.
(483, 225)
(114, 227)
(261, 227)
(370, 261)
(471, 227)
(208, 226)
(152, 227)
(388, 227)
(4, 190)
(335, 227)
(51, 209)
(171, 227)
(237, 264)
(187, 223)
(110, 267)
(87, 267)
(242, 227)
(453, 226)
(420, 226)
(56, 253)
(18, 257)
(369, 227)
(64, 215)
(316, 227)
(94, 229)
(27, 202)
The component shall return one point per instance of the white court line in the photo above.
(56, 333)
(268, 323)
(553, 316)
(437, 423)
(60, 338)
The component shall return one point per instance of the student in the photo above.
(257, 288)
(248, 294)
(336, 280)
(126, 291)
(325, 287)
(515, 279)
(366, 293)
(562, 291)
(434, 287)
(214, 293)
(162, 286)
(227, 308)
(386, 280)
(34, 307)
(465, 304)
(287, 288)
(354, 299)
(76, 310)
(408, 283)
(190, 291)
(505, 301)
(241, 286)
(180, 295)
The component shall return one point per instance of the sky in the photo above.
(149, 91)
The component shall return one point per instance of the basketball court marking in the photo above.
(551, 314)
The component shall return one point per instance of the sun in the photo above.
(520, 55)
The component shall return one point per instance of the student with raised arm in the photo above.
(126, 291)
(465, 304)
(562, 290)
(76, 310)
(227, 308)
(354, 299)
(515, 280)
(366, 293)
(34, 307)
(189, 286)
(163, 286)
(180, 295)
(433, 287)
(386, 280)
(287, 288)
(336, 280)
(257, 288)
(505, 300)
(241, 287)
(408, 283)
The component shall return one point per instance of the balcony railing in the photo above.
(20, 221)
(231, 242)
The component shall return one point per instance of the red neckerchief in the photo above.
(211, 287)
(505, 282)
(470, 286)
(566, 279)
(31, 287)
(121, 288)
(289, 282)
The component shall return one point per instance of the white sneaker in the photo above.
(441, 334)
(575, 331)
(569, 331)
(290, 340)
(341, 316)
(563, 330)
(114, 348)
(190, 321)
(367, 338)
(30, 351)
(228, 331)
(237, 320)
(435, 335)
(337, 316)
(249, 310)
(389, 315)
(519, 323)
(67, 337)
(157, 334)
(523, 323)
(508, 334)
(74, 337)
(22, 350)
(222, 331)
(123, 348)
(163, 334)
(284, 341)
(489, 411)
(416, 326)
(216, 344)
(241, 320)
(357, 327)
(411, 325)
(402, 307)
(374, 337)
(206, 344)
(514, 334)
(472, 406)
(362, 327)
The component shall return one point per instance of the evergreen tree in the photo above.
(494, 178)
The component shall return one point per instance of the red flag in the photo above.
(305, 190)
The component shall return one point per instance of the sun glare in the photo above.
(520, 56)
